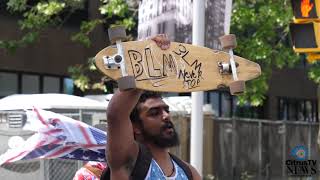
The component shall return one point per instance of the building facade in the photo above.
(174, 18)
(43, 66)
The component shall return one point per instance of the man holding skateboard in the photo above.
(140, 131)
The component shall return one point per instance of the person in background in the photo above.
(90, 171)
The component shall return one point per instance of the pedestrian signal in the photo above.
(305, 9)
(305, 37)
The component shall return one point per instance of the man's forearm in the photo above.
(122, 103)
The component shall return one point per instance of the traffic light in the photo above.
(305, 29)
(305, 37)
(305, 10)
(312, 57)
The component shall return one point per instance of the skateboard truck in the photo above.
(116, 35)
(112, 62)
(228, 42)
(225, 68)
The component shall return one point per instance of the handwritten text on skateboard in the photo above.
(172, 64)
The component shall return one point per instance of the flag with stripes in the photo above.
(58, 136)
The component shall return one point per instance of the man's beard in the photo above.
(161, 139)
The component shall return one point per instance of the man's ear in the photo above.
(136, 128)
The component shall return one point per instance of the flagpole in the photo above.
(196, 144)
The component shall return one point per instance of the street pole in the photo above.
(227, 16)
(196, 144)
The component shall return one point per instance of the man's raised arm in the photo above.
(122, 150)
(121, 147)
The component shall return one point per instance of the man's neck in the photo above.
(159, 153)
(162, 157)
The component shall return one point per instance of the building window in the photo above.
(9, 83)
(30, 84)
(297, 109)
(68, 86)
(213, 98)
(149, 31)
(248, 111)
(51, 84)
(161, 27)
(225, 105)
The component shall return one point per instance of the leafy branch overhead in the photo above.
(39, 15)
(262, 30)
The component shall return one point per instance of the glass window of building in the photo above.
(213, 99)
(51, 84)
(30, 84)
(68, 86)
(298, 109)
(9, 83)
(226, 108)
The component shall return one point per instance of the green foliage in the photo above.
(75, 4)
(34, 19)
(85, 29)
(314, 72)
(114, 8)
(80, 79)
(17, 5)
(262, 30)
(115, 12)
(50, 8)
(246, 176)
(12, 45)
(129, 23)
(54, 13)
(79, 73)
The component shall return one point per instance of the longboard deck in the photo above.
(181, 68)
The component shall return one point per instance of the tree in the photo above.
(262, 30)
(37, 15)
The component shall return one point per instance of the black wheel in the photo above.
(117, 33)
(237, 87)
(228, 41)
(126, 83)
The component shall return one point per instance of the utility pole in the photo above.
(196, 149)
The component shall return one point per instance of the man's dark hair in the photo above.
(134, 115)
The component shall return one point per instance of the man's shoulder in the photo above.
(142, 163)
(183, 165)
(190, 171)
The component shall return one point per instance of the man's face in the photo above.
(156, 123)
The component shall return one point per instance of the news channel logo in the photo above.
(299, 164)
(299, 153)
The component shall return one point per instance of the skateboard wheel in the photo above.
(237, 87)
(228, 41)
(118, 59)
(126, 83)
(117, 33)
